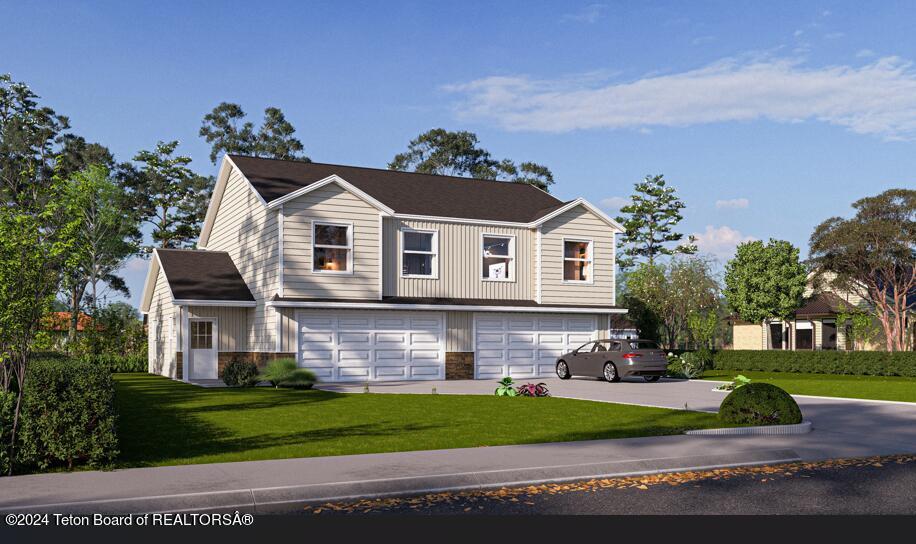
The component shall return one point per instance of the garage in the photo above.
(361, 346)
(527, 346)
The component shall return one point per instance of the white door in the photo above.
(203, 349)
(526, 346)
(370, 346)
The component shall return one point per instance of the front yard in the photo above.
(163, 422)
(830, 385)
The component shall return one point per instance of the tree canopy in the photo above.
(873, 254)
(765, 281)
(458, 153)
(649, 222)
(226, 130)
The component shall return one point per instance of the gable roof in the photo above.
(198, 277)
(824, 303)
(405, 192)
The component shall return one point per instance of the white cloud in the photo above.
(589, 14)
(720, 241)
(733, 203)
(614, 202)
(878, 98)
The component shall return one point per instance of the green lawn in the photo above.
(830, 385)
(163, 422)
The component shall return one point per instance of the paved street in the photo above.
(871, 487)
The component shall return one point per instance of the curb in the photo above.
(289, 499)
(772, 430)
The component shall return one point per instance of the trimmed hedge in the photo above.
(68, 416)
(759, 404)
(119, 363)
(867, 363)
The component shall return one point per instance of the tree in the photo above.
(457, 153)
(169, 196)
(673, 291)
(226, 131)
(649, 223)
(765, 281)
(873, 255)
(30, 136)
(106, 235)
(702, 327)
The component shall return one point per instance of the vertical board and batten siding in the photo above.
(460, 265)
(232, 325)
(459, 331)
(162, 337)
(580, 224)
(247, 230)
(330, 203)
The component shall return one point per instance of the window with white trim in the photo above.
(577, 260)
(332, 248)
(419, 253)
(498, 257)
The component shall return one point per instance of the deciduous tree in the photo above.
(765, 281)
(227, 131)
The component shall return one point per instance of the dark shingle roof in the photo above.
(203, 275)
(406, 192)
(825, 303)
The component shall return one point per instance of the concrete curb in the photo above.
(286, 499)
(799, 428)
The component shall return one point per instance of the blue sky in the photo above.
(768, 117)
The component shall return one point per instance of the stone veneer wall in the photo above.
(459, 365)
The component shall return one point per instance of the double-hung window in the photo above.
(577, 261)
(419, 253)
(332, 248)
(498, 257)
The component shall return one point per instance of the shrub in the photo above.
(118, 362)
(532, 390)
(705, 356)
(870, 363)
(285, 373)
(687, 366)
(505, 388)
(68, 415)
(238, 373)
(759, 404)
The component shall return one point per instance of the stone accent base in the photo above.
(179, 366)
(459, 365)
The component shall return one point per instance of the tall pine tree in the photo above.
(649, 221)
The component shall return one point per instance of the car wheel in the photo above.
(610, 372)
(651, 379)
(563, 371)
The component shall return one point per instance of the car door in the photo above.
(596, 359)
(578, 360)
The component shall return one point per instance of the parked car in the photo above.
(614, 359)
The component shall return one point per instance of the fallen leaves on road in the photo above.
(766, 473)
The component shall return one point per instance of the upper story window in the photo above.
(577, 260)
(419, 253)
(332, 248)
(498, 257)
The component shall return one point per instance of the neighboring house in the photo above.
(367, 274)
(813, 326)
(57, 325)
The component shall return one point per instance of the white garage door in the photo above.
(360, 346)
(527, 346)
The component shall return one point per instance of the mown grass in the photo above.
(830, 385)
(164, 422)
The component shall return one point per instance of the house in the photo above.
(813, 326)
(57, 325)
(366, 274)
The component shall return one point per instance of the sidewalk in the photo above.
(842, 429)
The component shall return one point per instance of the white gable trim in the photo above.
(333, 178)
(155, 265)
(222, 180)
(588, 206)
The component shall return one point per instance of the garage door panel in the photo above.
(527, 346)
(380, 345)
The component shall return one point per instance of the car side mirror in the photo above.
(575, 351)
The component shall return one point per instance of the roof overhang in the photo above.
(443, 307)
(349, 187)
(228, 303)
(149, 286)
(585, 204)
(617, 227)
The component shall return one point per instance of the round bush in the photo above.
(759, 404)
(240, 373)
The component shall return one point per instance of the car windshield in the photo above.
(643, 344)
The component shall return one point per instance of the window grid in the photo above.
(332, 258)
(582, 263)
(491, 270)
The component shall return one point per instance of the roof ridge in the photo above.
(462, 178)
